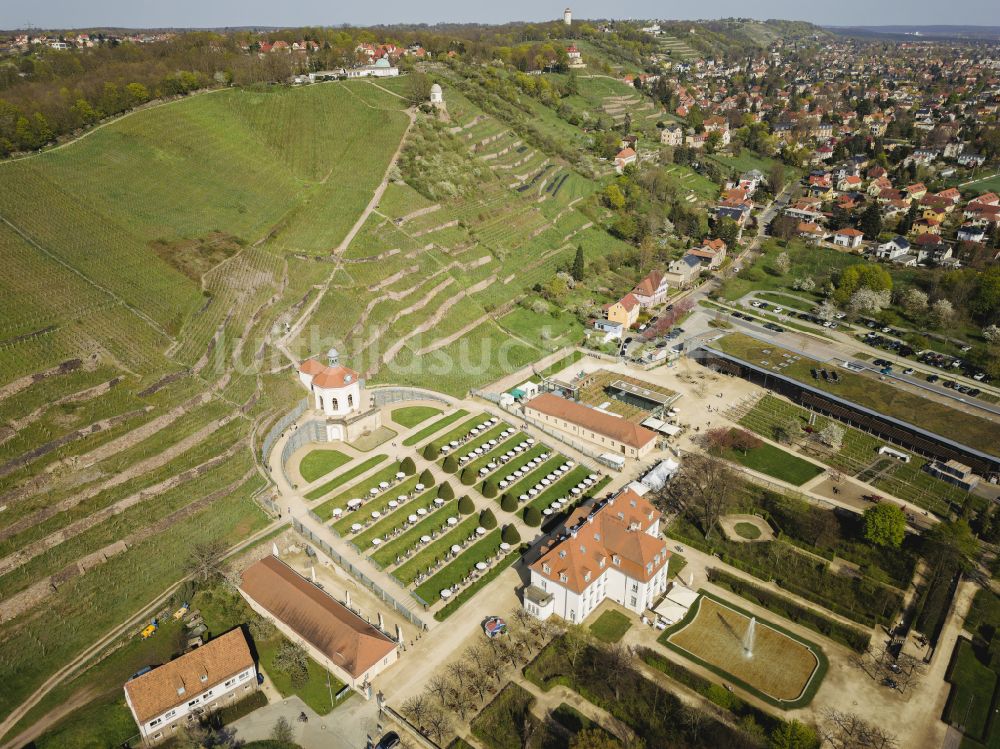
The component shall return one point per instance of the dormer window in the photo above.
(597, 536)
(181, 690)
(583, 549)
(546, 569)
(562, 577)
(204, 678)
(586, 577)
(617, 560)
(562, 554)
(602, 562)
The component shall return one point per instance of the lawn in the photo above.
(461, 430)
(320, 462)
(971, 699)
(748, 531)
(610, 626)
(558, 366)
(410, 416)
(460, 566)
(774, 462)
(329, 486)
(779, 666)
(866, 391)
(437, 549)
(437, 426)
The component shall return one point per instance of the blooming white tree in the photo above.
(804, 284)
(992, 334)
(914, 301)
(827, 310)
(867, 301)
(832, 435)
(942, 312)
(783, 263)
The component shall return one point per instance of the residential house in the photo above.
(624, 311)
(672, 135)
(850, 238)
(971, 233)
(972, 160)
(169, 697)
(652, 289)
(718, 125)
(682, 273)
(927, 226)
(610, 330)
(710, 254)
(895, 247)
(611, 549)
(915, 191)
(623, 158)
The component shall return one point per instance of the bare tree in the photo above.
(849, 731)
(704, 489)
(205, 560)
(459, 672)
(438, 724)
(438, 686)
(416, 709)
(574, 643)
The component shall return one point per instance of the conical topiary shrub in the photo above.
(450, 464)
(466, 505)
(508, 503)
(426, 478)
(446, 492)
(468, 477)
(532, 517)
(431, 452)
(407, 466)
(487, 519)
(490, 488)
(510, 535)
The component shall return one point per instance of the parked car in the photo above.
(909, 371)
(389, 741)
(933, 378)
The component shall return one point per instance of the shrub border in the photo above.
(808, 692)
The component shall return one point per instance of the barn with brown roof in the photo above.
(354, 650)
(607, 430)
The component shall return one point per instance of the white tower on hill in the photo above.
(437, 96)
(568, 17)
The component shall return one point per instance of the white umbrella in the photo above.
(400, 475)
(383, 485)
(393, 504)
(356, 527)
(492, 443)
(446, 593)
(373, 491)
(480, 531)
(480, 566)
(592, 477)
(547, 511)
(425, 539)
(452, 521)
(376, 514)
(530, 440)
(376, 541)
(422, 511)
(523, 497)
(453, 443)
(546, 482)
(412, 518)
(419, 487)
(483, 471)
(503, 484)
(504, 546)
(402, 498)
(438, 501)
(337, 512)
(491, 465)
(575, 490)
(455, 549)
(532, 492)
(352, 503)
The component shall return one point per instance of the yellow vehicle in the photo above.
(181, 611)
(149, 631)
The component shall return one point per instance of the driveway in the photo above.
(349, 726)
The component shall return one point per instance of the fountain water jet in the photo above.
(748, 638)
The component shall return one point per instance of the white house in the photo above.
(168, 697)
(610, 550)
(672, 135)
(381, 68)
(971, 233)
(613, 331)
(892, 249)
(652, 289)
(850, 238)
(625, 157)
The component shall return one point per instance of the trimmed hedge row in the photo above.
(466, 593)
(852, 637)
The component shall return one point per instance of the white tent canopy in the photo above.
(661, 474)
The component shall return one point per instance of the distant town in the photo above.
(579, 384)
